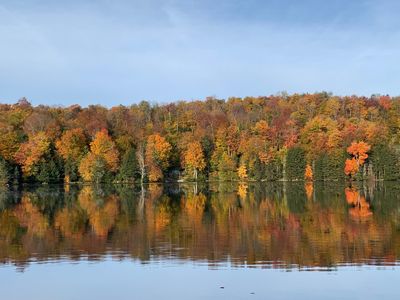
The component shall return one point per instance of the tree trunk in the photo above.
(141, 161)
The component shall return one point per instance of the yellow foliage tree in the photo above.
(104, 147)
(193, 158)
(86, 167)
(103, 157)
(9, 144)
(242, 172)
(158, 151)
(72, 144)
(30, 152)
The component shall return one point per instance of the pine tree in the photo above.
(129, 167)
(385, 163)
(4, 172)
(49, 170)
(295, 164)
(71, 171)
(256, 171)
(329, 166)
(273, 170)
(320, 167)
(334, 165)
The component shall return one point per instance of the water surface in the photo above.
(222, 241)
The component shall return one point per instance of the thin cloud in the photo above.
(124, 51)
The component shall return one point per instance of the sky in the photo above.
(114, 52)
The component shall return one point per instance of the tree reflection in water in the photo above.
(266, 225)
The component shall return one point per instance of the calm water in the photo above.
(221, 241)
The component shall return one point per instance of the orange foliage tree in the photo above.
(193, 158)
(72, 147)
(103, 157)
(358, 150)
(72, 144)
(158, 151)
(308, 174)
(30, 152)
(104, 147)
(351, 167)
(256, 132)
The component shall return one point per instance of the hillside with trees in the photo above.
(284, 137)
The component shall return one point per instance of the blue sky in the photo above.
(120, 52)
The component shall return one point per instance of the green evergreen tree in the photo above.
(16, 176)
(257, 170)
(4, 172)
(385, 163)
(320, 166)
(329, 166)
(50, 169)
(71, 170)
(335, 165)
(129, 171)
(295, 164)
(48, 172)
(273, 171)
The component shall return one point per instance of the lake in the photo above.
(201, 241)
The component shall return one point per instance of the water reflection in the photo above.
(265, 225)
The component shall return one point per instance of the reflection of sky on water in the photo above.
(111, 279)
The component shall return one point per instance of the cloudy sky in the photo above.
(120, 52)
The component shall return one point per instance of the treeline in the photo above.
(285, 137)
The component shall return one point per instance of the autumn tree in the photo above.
(72, 147)
(94, 168)
(72, 144)
(193, 158)
(258, 133)
(358, 151)
(30, 152)
(319, 135)
(242, 172)
(102, 159)
(308, 174)
(104, 147)
(158, 151)
(9, 144)
(42, 121)
(351, 167)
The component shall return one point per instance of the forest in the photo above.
(298, 137)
